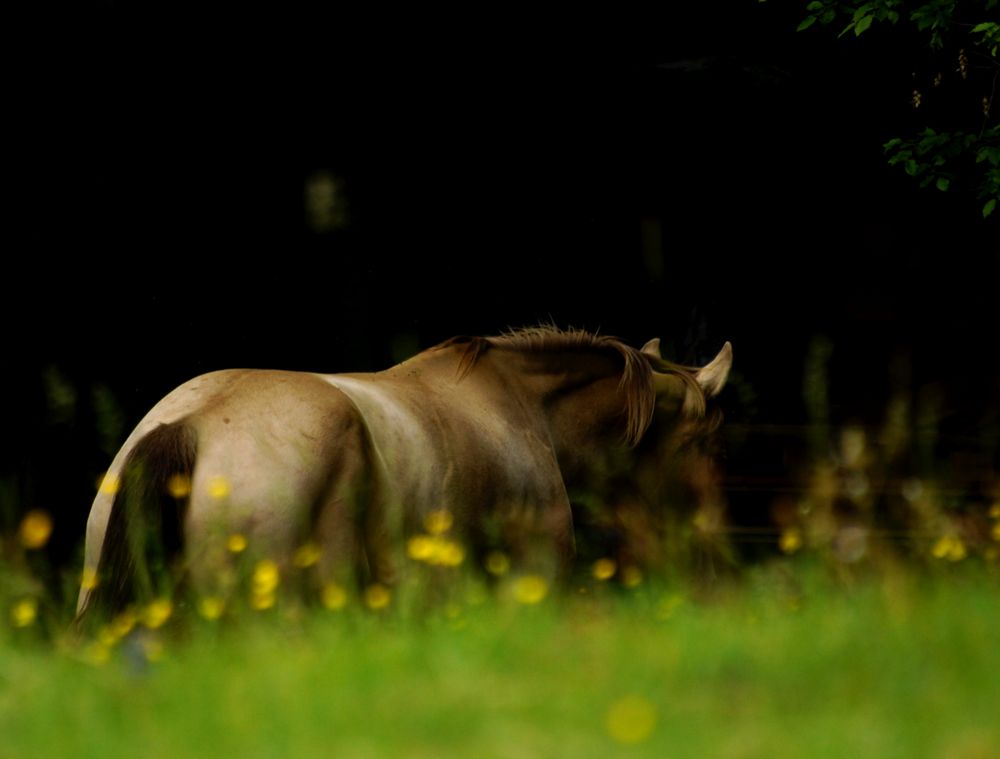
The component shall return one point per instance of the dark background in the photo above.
(699, 175)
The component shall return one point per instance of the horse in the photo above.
(499, 433)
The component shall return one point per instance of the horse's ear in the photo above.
(652, 348)
(712, 377)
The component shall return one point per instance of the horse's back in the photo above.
(462, 444)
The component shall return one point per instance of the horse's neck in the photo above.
(558, 373)
(573, 394)
(578, 394)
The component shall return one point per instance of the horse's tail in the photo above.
(144, 534)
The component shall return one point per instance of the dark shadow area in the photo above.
(189, 200)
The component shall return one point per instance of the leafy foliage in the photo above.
(943, 158)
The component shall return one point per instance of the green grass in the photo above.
(781, 664)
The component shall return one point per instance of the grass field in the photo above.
(784, 662)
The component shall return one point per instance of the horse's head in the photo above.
(684, 391)
(631, 431)
(660, 486)
(601, 399)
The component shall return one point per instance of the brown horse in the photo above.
(498, 431)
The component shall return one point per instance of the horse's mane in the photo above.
(637, 381)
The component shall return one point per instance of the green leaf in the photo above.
(827, 16)
(984, 26)
(814, 6)
(912, 168)
(988, 154)
(863, 24)
(862, 10)
(806, 23)
(893, 16)
(892, 143)
(942, 183)
(988, 208)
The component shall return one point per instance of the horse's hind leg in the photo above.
(341, 512)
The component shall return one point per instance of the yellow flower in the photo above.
(179, 486)
(449, 554)
(262, 600)
(438, 521)
(530, 589)
(236, 543)
(957, 551)
(435, 550)
(211, 607)
(334, 597)
(218, 488)
(157, 613)
(940, 548)
(24, 612)
(631, 719)
(790, 540)
(949, 547)
(88, 579)
(96, 653)
(122, 624)
(631, 577)
(377, 597)
(152, 649)
(995, 532)
(35, 529)
(109, 484)
(497, 563)
(265, 577)
(106, 637)
(420, 547)
(995, 510)
(306, 555)
(604, 569)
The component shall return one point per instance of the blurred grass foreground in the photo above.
(870, 627)
(784, 664)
